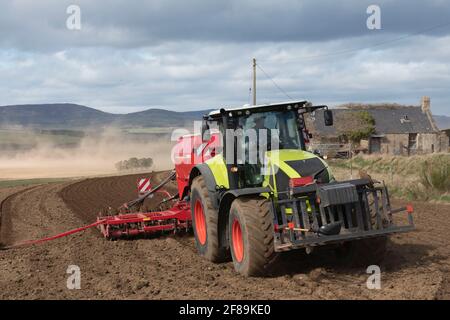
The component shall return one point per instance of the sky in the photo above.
(190, 55)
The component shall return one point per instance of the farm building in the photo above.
(397, 130)
(446, 132)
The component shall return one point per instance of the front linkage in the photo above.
(314, 215)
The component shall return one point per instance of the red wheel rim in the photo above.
(238, 241)
(200, 222)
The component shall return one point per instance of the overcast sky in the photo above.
(193, 54)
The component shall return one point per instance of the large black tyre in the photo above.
(205, 223)
(362, 253)
(251, 236)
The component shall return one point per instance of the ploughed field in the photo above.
(417, 265)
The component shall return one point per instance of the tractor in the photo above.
(249, 211)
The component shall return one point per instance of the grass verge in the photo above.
(424, 178)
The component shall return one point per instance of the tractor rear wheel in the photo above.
(251, 236)
(205, 220)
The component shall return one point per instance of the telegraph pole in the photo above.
(254, 81)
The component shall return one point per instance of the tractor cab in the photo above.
(258, 140)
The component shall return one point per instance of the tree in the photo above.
(134, 164)
(355, 125)
(145, 162)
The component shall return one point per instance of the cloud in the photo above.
(131, 55)
(32, 25)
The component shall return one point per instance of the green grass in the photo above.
(30, 182)
(422, 177)
(436, 174)
(401, 165)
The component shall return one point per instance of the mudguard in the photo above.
(229, 196)
(204, 170)
(247, 191)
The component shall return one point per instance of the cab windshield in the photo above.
(280, 127)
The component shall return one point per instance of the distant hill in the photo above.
(443, 122)
(70, 116)
(159, 118)
(52, 115)
(74, 116)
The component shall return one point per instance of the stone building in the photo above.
(447, 133)
(399, 130)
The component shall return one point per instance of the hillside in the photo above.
(52, 116)
(159, 118)
(70, 116)
(443, 122)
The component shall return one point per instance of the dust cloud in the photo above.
(95, 154)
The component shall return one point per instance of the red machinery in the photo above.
(132, 222)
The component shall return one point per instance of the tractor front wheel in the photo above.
(251, 236)
(205, 223)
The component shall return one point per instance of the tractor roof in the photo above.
(237, 111)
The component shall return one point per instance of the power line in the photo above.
(274, 83)
(346, 52)
(330, 54)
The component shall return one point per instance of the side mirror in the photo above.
(206, 135)
(328, 117)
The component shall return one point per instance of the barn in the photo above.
(399, 130)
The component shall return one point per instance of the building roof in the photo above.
(387, 121)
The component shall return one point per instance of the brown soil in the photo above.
(417, 265)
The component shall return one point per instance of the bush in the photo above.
(436, 174)
(355, 125)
